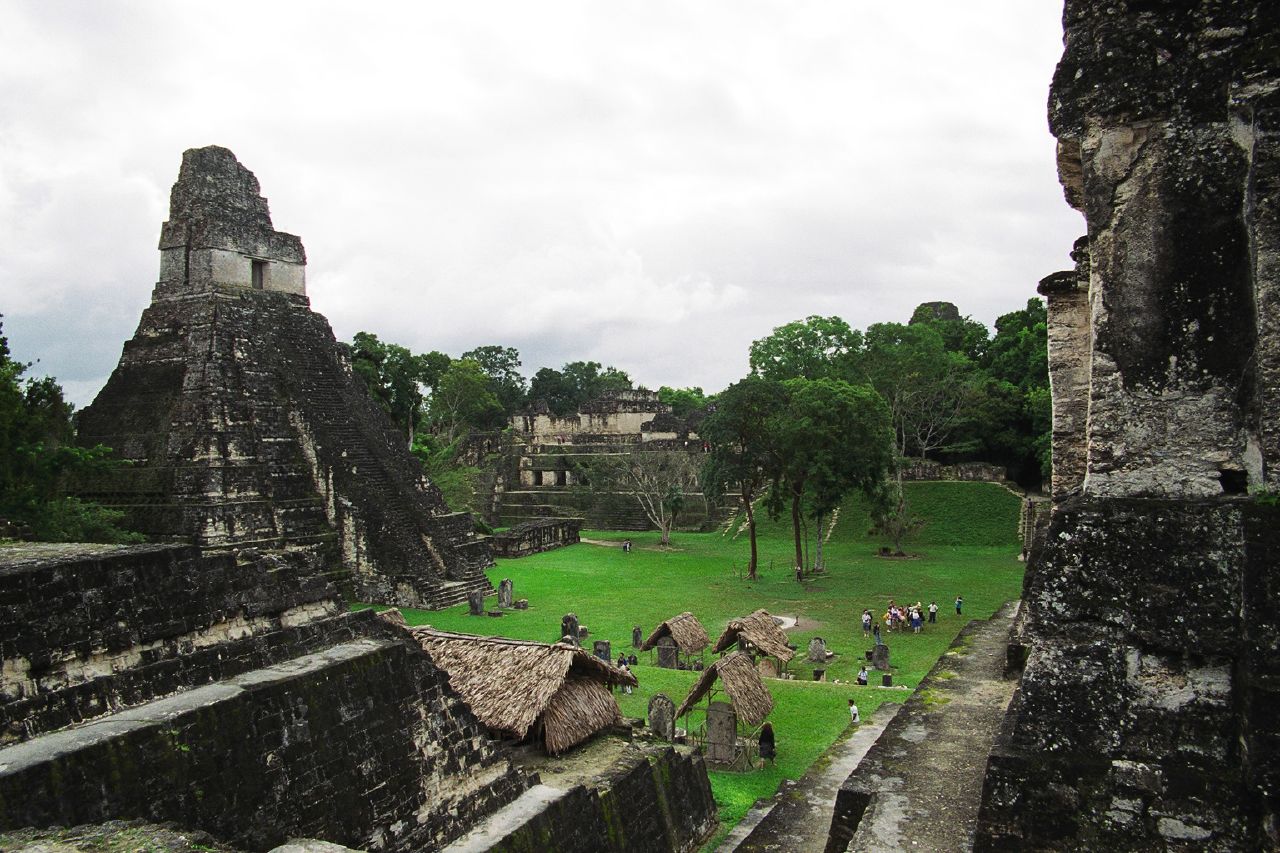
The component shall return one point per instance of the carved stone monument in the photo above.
(504, 593)
(637, 637)
(662, 717)
(569, 628)
(603, 649)
(880, 657)
(668, 652)
(722, 733)
(817, 650)
(475, 602)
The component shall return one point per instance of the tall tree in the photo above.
(658, 481)
(812, 348)
(742, 445)
(464, 401)
(396, 377)
(683, 401)
(929, 389)
(831, 438)
(564, 391)
(502, 366)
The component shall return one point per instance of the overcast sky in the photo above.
(651, 185)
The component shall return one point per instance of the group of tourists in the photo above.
(903, 617)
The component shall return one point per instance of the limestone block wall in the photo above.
(654, 802)
(1070, 359)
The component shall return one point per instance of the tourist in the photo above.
(866, 623)
(933, 612)
(767, 746)
(917, 621)
(876, 633)
(862, 675)
(626, 688)
(853, 713)
(626, 546)
(959, 604)
(631, 660)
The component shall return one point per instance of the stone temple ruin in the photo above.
(1146, 717)
(244, 424)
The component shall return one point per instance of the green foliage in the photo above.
(395, 377)
(831, 439)
(456, 482)
(815, 348)
(505, 381)
(565, 390)
(38, 459)
(464, 400)
(683, 401)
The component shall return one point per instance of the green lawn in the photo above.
(969, 547)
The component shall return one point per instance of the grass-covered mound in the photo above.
(968, 547)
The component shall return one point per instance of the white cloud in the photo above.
(649, 184)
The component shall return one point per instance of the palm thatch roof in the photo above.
(748, 695)
(760, 631)
(685, 629)
(515, 686)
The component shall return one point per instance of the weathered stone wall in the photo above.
(1070, 348)
(657, 801)
(973, 472)
(363, 744)
(246, 427)
(534, 537)
(1146, 713)
(1166, 129)
(87, 631)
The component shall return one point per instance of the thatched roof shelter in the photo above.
(554, 691)
(748, 695)
(685, 629)
(761, 632)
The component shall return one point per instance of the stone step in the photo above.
(499, 825)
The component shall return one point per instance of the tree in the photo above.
(463, 401)
(39, 459)
(831, 438)
(929, 389)
(501, 364)
(395, 377)
(564, 391)
(555, 389)
(959, 334)
(742, 445)
(814, 348)
(657, 480)
(683, 401)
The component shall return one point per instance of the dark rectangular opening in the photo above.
(258, 273)
(562, 478)
(537, 478)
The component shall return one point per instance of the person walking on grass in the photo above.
(959, 604)
(866, 624)
(875, 632)
(933, 612)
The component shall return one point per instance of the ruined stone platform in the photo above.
(920, 785)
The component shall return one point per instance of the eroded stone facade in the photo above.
(1146, 713)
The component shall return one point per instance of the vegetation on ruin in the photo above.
(39, 459)
(967, 546)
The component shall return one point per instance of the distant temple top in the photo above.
(219, 232)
